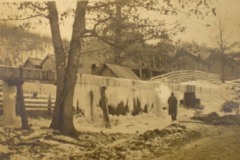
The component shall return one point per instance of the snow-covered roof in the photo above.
(51, 56)
(34, 61)
(122, 72)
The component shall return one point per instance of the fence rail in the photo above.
(186, 75)
(27, 74)
(85, 79)
(36, 103)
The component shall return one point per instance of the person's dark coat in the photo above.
(172, 105)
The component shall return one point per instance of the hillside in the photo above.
(16, 45)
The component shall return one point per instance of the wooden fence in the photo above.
(186, 75)
(85, 79)
(34, 102)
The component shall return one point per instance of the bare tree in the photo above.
(223, 45)
(66, 77)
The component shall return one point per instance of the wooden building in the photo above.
(164, 62)
(32, 63)
(48, 63)
(231, 66)
(189, 61)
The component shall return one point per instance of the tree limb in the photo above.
(101, 21)
(24, 18)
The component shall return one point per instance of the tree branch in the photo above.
(37, 6)
(108, 42)
(101, 21)
(24, 18)
(100, 5)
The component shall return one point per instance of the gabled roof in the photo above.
(122, 72)
(50, 56)
(35, 61)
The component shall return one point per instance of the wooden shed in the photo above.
(32, 63)
(112, 70)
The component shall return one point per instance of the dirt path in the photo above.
(216, 143)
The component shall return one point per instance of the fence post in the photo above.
(91, 104)
(49, 105)
(238, 109)
(9, 100)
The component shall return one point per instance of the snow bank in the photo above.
(124, 124)
(201, 83)
(212, 95)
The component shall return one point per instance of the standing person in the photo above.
(103, 103)
(172, 106)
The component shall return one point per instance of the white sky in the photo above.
(229, 13)
(228, 10)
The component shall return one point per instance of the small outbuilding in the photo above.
(48, 63)
(112, 70)
(33, 63)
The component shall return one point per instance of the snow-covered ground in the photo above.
(148, 121)
(213, 95)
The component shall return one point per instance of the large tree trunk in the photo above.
(66, 78)
(223, 69)
(72, 68)
(118, 32)
(60, 63)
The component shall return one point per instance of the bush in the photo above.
(229, 106)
